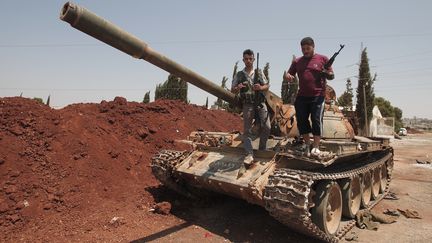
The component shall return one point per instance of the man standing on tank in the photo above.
(251, 92)
(311, 94)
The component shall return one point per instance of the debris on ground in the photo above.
(352, 236)
(383, 218)
(391, 196)
(408, 213)
(116, 222)
(392, 212)
(370, 220)
(423, 162)
(162, 208)
(364, 220)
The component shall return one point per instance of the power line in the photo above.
(395, 57)
(42, 45)
(401, 72)
(407, 55)
(403, 62)
(410, 70)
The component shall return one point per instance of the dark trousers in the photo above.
(312, 107)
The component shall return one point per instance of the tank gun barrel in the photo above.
(99, 28)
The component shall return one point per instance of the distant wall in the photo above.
(385, 126)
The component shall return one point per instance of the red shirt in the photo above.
(311, 83)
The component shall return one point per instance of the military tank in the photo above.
(316, 196)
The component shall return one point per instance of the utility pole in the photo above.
(365, 112)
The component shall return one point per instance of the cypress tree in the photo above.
(289, 89)
(365, 92)
(146, 99)
(266, 71)
(219, 102)
(284, 90)
(173, 88)
(235, 69)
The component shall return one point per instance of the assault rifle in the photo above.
(329, 63)
(257, 72)
(259, 96)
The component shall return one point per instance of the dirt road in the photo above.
(412, 183)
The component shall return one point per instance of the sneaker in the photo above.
(248, 159)
(316, 152)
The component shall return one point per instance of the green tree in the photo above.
(219, 102)
(365, 92)
(235, 69)
(266, 71)
(289, 89)
(146, 99)
(40, 100)
(173, 88)
(398, 118)
(346, 99)
(225, 105)
(387, 110)
(384, 106)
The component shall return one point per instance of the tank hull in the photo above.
(280, 181)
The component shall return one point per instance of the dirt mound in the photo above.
(79, 165)
(413, 131)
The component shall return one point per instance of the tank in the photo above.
(316, 196)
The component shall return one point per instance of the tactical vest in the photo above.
(247, 94)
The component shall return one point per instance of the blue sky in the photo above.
(41, 55)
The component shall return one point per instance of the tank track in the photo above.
(288, 194)
(162, 166)
(288, 197)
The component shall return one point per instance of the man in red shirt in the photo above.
(310, 97)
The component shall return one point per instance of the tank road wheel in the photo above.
(383, 178)
(376, 182)
(366, 189)
(351, 196)
(327, 212)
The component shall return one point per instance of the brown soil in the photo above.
(65, 174)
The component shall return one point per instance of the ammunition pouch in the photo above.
(247, 98)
